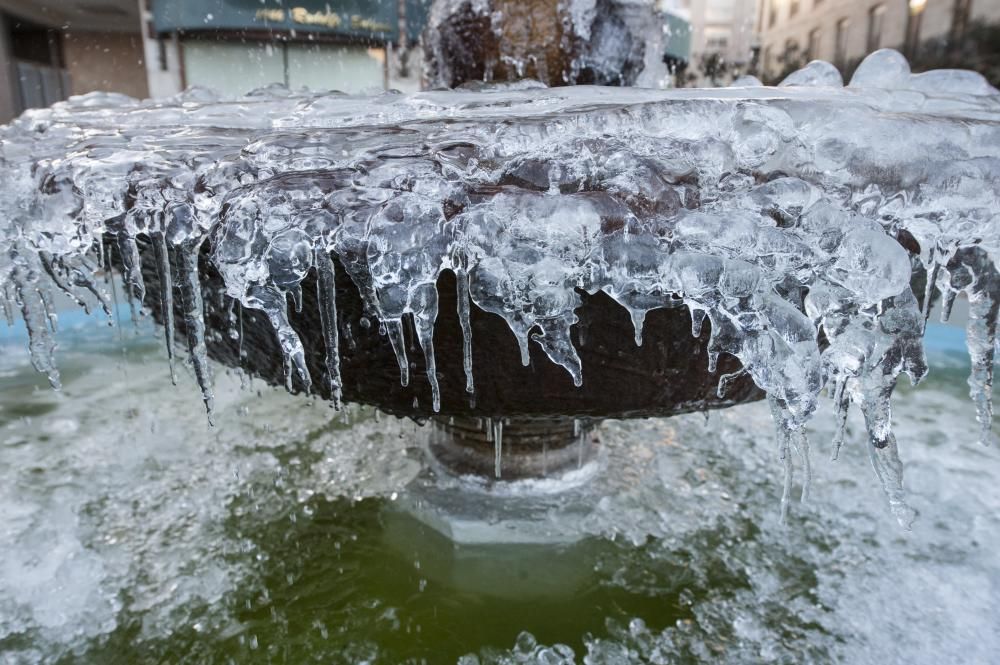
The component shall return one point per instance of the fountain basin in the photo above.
(667, 375)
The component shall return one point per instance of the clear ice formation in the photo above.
(778, 215)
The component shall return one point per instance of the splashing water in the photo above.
(780, 216)
(118, 548)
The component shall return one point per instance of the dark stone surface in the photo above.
(667, 375)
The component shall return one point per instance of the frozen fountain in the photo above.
(500, 256)
(308, 238)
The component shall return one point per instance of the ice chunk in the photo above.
(884, 68)
(817, 73)
(952, 82)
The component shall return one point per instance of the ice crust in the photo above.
(779, 215)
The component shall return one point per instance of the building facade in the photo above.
(235, 46)
(793, 32)
(722, 39)
(156, 48)
(49, 51)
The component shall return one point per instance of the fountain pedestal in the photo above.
(502, 480)
(512, 448)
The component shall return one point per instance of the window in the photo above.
(793, 7)
(876, 17)
(717, 43)
(840, 45)
(772, 13)
(813, 46)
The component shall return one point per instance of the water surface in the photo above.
(132, 532)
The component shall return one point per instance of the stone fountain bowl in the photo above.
(667, 375)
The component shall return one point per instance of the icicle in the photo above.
(781, 418)
(497, 426)
(102, 256)
(246, 379)
(786, 485)
(841, 403)
(932, 275)
(49, 267)
(8, 312)
(272, 301)
(714, 347)
(327, 292)
(66, 278)
(555, 341)
(40, 343)
(947, 300)
(697, 319)
(981, 337)
(132, 264)
(638, 322)
(289, 372)
(47, 306)
(802, 445)
(884, 453)
(464, 318)
(83, 275)
(424, 316)
(162, 258)
(394, 328)
(194, 323)
(116, 319)
(132, 311)
(522, 345)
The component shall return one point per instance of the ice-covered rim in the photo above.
(771, 212)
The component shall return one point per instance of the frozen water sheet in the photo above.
(777, 215)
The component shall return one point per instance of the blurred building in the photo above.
(722, 39)
(235, 46)
(793, 32)
(51, 50)
(677, 32)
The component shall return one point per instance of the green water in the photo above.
(134, 533)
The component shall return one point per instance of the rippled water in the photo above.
(131, 532)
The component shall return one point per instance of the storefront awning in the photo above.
(352, 19)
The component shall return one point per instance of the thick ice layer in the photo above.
(772, 213)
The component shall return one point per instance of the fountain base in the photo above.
(530, 501)
(512, 448)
